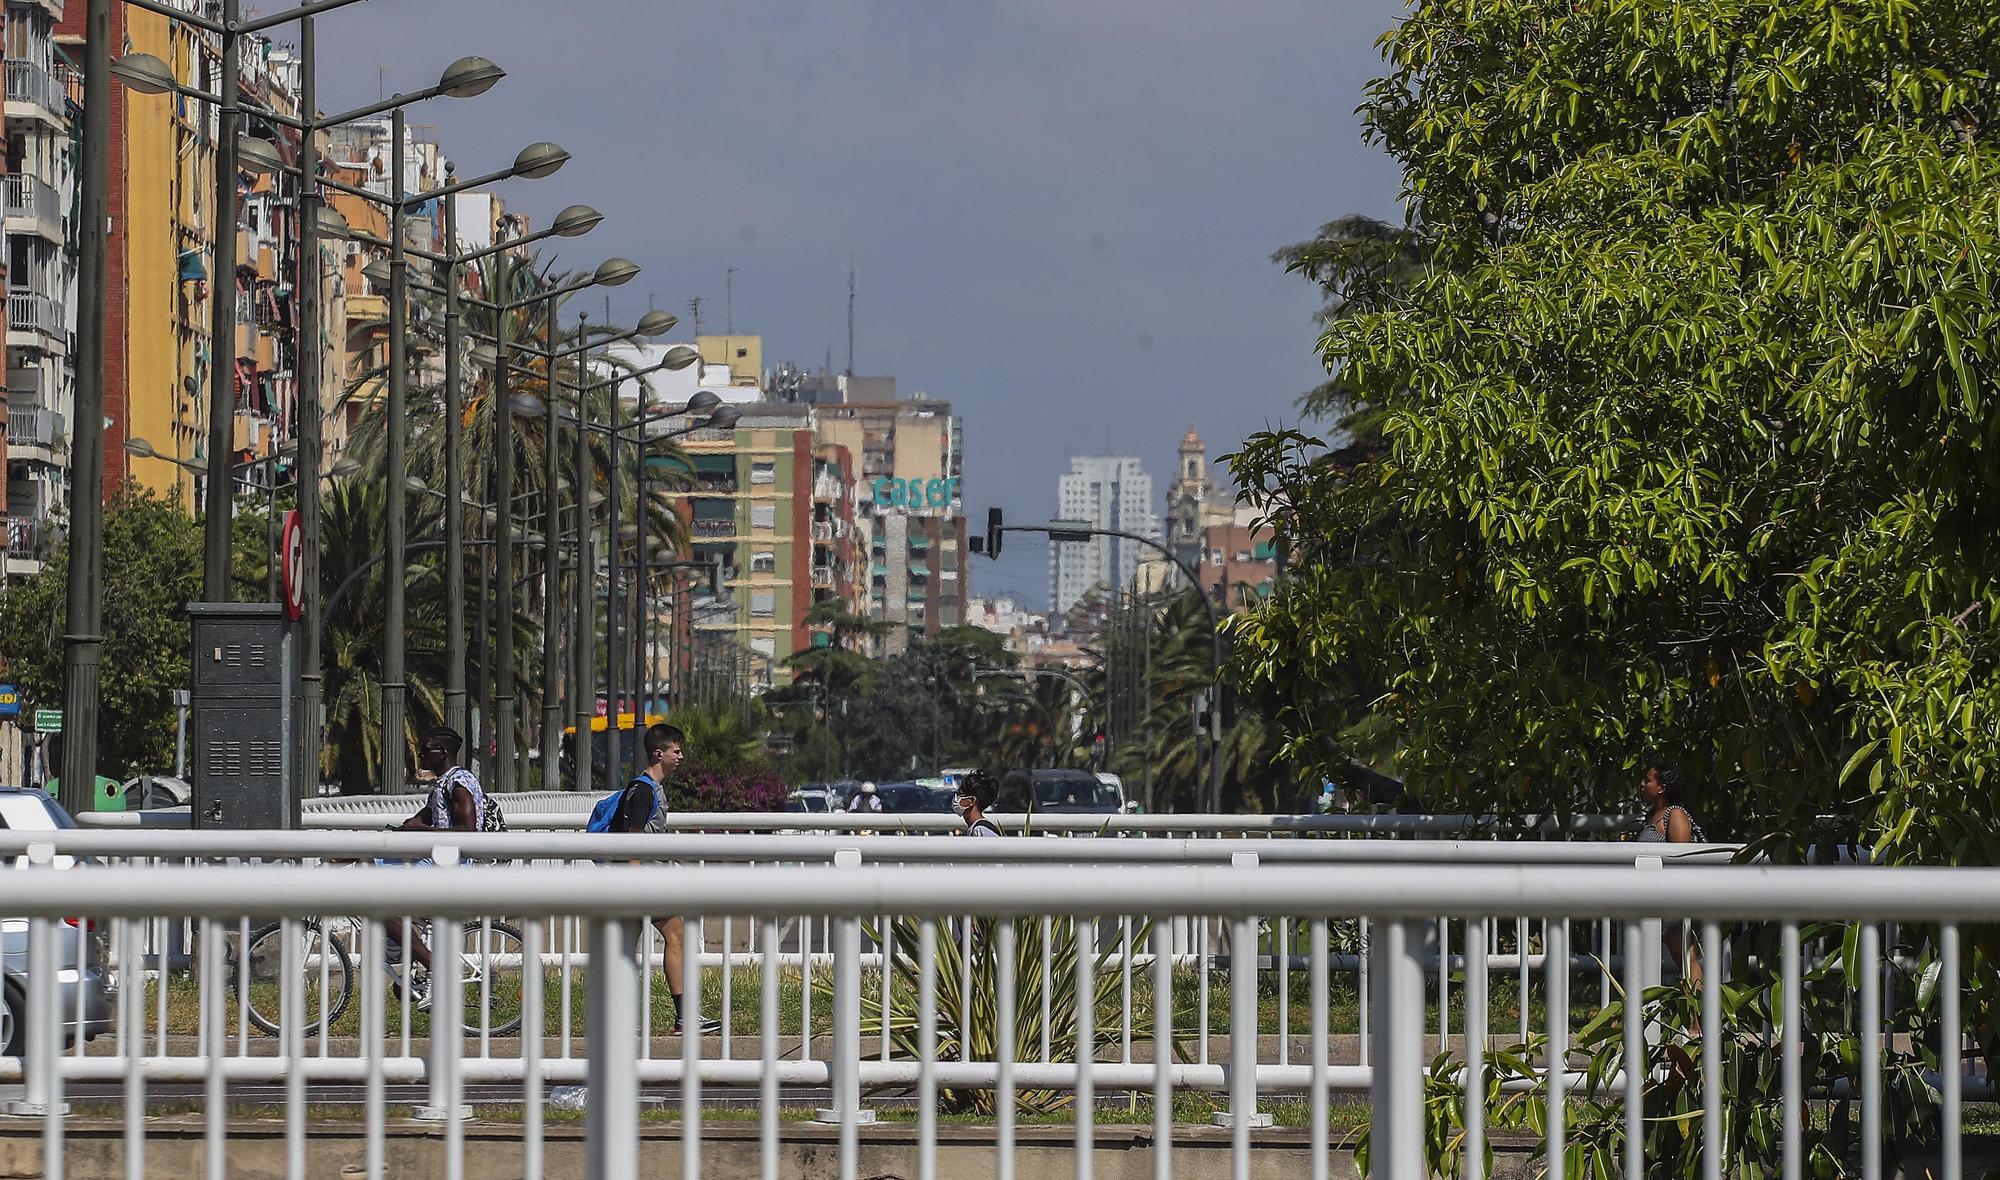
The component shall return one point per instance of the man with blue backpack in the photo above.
(641, 807)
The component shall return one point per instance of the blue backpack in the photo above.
(605, 813)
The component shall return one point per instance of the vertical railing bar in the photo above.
(132, 1003)
(291, 1021)
(532, 1015)
(646, 931)
(1790, 1033)
(1048, 986)
(1521, 954)
(1284, 935)
(1444, 983)
(162, 981)
(728, 1014)
(373, 1016)
(1951, 1034)
(767, 1080)
(1163, 1048)
(242, 991)
(691, 1046)
(1125, 989)
(447, 1024)
(1713, 1149)
(1604, 963)
(485, 989)
(1871, 1051)
(1086, 1045)
(1003, 1098)
(568, 984)
(805, 989)
(1475, 1047)
(1635, 1054)
(41, 1041)
(409, 973)
(886, 944)
(215, 1093)
(1555, 989)
(965, 992)
(1316, 976)
(1201, 1001)
(1365, 1052)
(926, 1049)
(1242, 1043)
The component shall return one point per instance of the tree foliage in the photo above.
(152, 570)
(1686, 423)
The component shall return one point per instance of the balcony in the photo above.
(823, 530)
(22, 535)
(826, 488)
(30, 311)
(822, 577)
(33, 426)
(711, 529)
(36, 86)
(714, 485)
(33, 201)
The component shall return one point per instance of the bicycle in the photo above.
(492, 965)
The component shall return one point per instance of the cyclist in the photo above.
(455, 804)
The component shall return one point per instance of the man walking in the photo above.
(641, 808)
(975, 795)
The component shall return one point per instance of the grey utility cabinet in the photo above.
(244, 716)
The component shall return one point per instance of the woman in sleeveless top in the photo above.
(1664, 792)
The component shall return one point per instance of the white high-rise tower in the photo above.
(1108, 492)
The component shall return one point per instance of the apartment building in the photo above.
(41, 113)
(1109, 492)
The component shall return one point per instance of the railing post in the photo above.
(1243, 1116)
(41, 1040)
(1651, 944)
(445, 995)
(613, 1111)
(846, 1110)
(1396, 1125)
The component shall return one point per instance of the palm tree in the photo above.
(350, 539)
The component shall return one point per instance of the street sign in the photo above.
(10, 701)
(48, 720)
(291, 548)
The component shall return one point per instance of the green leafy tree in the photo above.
(152, 570)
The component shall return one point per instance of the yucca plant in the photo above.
(979, 1024)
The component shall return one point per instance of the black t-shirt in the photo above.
(636, 806)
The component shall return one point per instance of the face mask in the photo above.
(961, 804)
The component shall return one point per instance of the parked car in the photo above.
(914, 799)
(1057, 792)
(82, 958)
(813, 797)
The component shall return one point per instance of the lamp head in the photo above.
(469, 77)
(724, 417)
(527, 405)
(703, 401)
(144, 73)
(140, 447)
(614, 272)
(332, 224)
(575, 221)
(657, 323)
(259, 157)
(378, 272)
(679, 357)
(540, 159)
(344, 466)
(485, 355)
(416, 486)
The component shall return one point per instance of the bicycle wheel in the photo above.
(493, 967)
(320, 959)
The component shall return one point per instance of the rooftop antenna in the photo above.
(381, 82)
(729, 299)
(850, 315)
(694, 310)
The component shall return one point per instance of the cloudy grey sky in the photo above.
(1060, 211)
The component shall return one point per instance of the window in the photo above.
(764, 516)
(742, 354)
(763, 472)
(764, 646)
(1243, 555)
(763, 563)
(763, 605)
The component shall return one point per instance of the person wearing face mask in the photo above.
(975, 795)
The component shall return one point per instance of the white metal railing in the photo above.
(33, 197)
(28, 82)
(570, 810)
(1031, 938)
(32, 311)
(34, 426)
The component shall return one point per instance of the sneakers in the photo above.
(707, 1028)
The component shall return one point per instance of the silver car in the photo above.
(84, 981)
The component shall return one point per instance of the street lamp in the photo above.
(610, 273)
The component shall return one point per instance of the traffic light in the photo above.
(993, 533)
